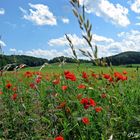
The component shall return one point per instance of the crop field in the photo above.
(70, 102)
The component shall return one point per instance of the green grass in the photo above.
(36, 107)
(56, 68)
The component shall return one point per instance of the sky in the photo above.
(38, 27)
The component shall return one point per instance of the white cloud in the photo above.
(138, 24)
(65, 20)
(77, 41)
(98, 38)
(115, 13)
(2, 43)
(48, 54)
(2, 11)
(13, 50)
(42, 53)
(136, 6)
(121, 34)
(39, 14)
(80, 43)
(129, 41)
(62, 41)
(58, 42)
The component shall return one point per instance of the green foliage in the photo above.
(21, 59)
(44, 111)
(124, 58)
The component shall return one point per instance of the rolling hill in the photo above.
(125, 58)
(21, 59)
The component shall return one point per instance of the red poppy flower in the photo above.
(110, 79)
(84, 101)
(64, 88)
(87, 102)
(8, 85)
(98, 109)
(28, 74)
(94, 75)
(38, 73)
(106, 76)
(32, 85)
(14, 96)
(86, 106)
(85, 120)
(38, 80)
(124, 78)
(1, 92)
(124, 72)
(70, 76)
(59, 138)
(92, 102)
(84, 75)
(81, 86)
(119, 76)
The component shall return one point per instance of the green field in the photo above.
(70, 102)
(58, 68)
(78, 97)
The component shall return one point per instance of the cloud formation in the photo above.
(65, 20)
(138, 24)
(115, 13)
(2, 44)
(129, 41)
(77, 41)
(39, 14)
(2, 11)
(136, 6)
(42, 53)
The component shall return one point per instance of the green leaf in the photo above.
(75, 12)
(83, 12)
(81, 19)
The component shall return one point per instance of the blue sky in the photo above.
(37, 27)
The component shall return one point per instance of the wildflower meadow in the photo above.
(71, 101)
(70, 105)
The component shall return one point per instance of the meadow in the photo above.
(70, 102)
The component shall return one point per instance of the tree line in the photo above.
(125, 58)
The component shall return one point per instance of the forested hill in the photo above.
(124, 58)
(22, 59)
